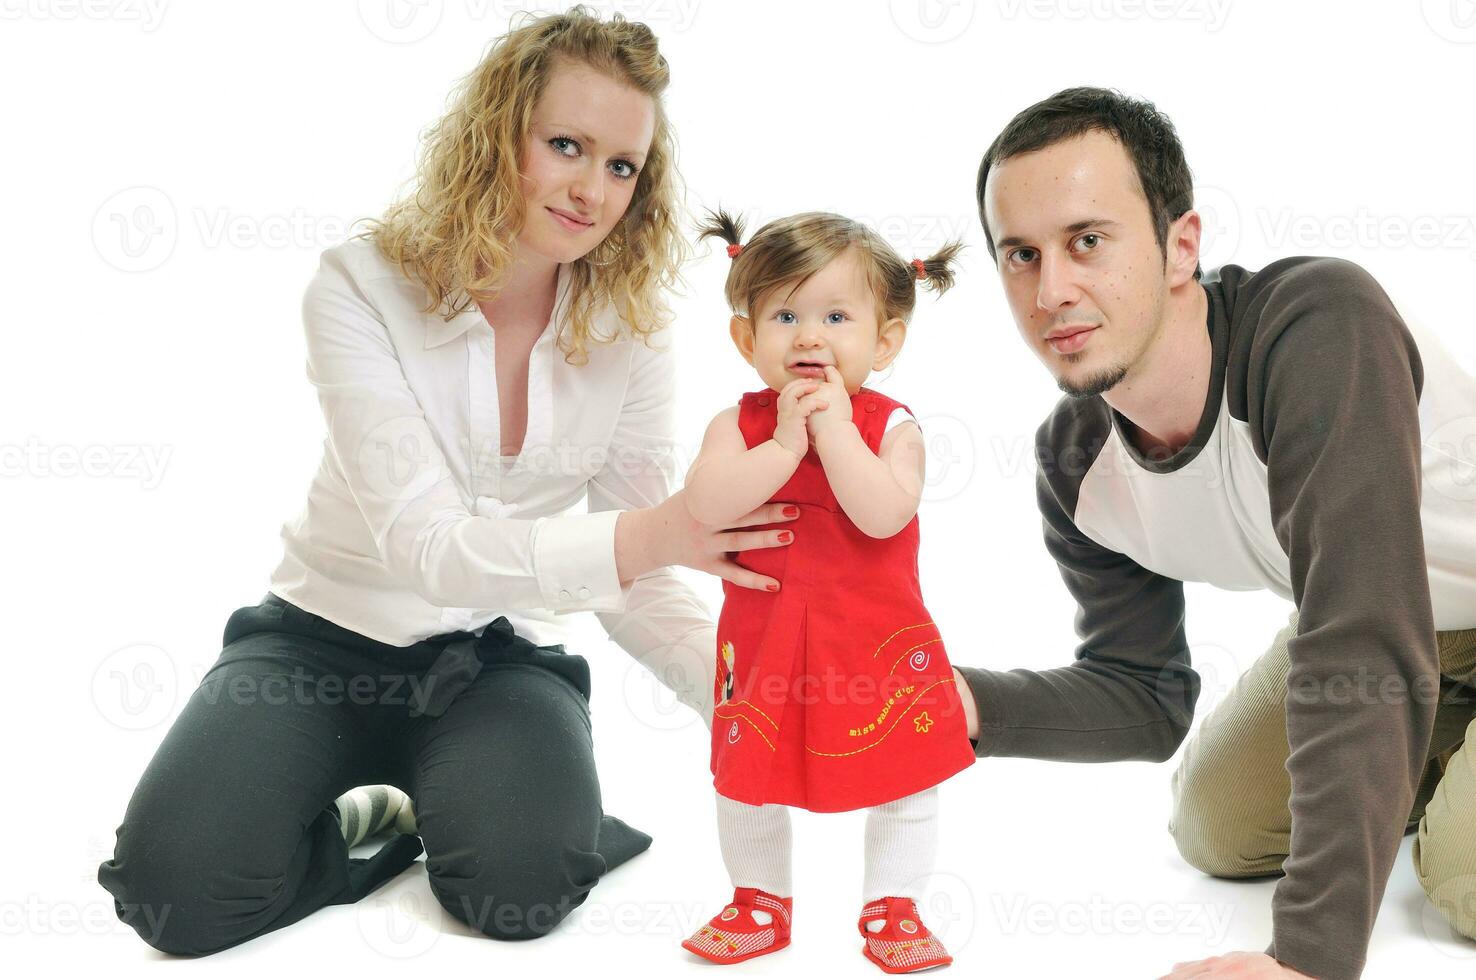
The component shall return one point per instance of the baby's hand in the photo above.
(833, 392)
(796, 402)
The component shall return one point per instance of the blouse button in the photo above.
(584, 593)
(563, 593)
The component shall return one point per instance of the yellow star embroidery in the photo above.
(923, 722)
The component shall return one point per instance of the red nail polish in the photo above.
(786, 536)
(791, 512)
(772, 588)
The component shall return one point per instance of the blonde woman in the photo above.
(489, 352)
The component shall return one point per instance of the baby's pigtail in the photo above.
(722, 225)
(938, 268)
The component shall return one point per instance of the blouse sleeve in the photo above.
(404, 490)
(664, 625)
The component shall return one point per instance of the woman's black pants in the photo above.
(232, 831)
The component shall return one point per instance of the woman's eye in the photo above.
(559, 142)
(627, 169)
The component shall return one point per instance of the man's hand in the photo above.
(1242, 966)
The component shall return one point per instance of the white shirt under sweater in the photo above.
(415, 525)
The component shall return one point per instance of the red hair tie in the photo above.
(920, 272)
(733, 250)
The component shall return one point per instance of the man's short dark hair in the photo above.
(1145, 133)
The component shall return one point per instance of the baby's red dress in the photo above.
(834, 693)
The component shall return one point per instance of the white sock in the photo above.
(756, 843)
(901, 846)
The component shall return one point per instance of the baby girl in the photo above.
(833, 692)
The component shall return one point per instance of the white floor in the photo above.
(1047, 871)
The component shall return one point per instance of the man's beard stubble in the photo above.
(1103, 381)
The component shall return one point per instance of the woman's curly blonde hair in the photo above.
(455, 233)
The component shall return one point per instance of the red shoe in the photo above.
(904, 944)
(733, 935)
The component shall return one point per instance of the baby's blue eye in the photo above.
(784, 316)
(835, 317)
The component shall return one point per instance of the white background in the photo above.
(172, 172)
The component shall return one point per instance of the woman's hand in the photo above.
(668, 534)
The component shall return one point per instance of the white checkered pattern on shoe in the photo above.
(729, 944)
(774, 908)
(908, 953)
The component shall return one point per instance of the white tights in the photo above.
(901, 844)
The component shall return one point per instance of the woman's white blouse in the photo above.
(414, 525)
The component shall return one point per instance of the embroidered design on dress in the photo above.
(728, 657)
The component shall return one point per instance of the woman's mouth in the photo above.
(570, 222)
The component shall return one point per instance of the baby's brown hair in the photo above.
(792, 249)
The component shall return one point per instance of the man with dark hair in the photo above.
(1280, 429)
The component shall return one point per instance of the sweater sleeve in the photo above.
(1130, 692)
(1334, 379)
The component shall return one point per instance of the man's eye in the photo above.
(1093, 236)
(1022, 255)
